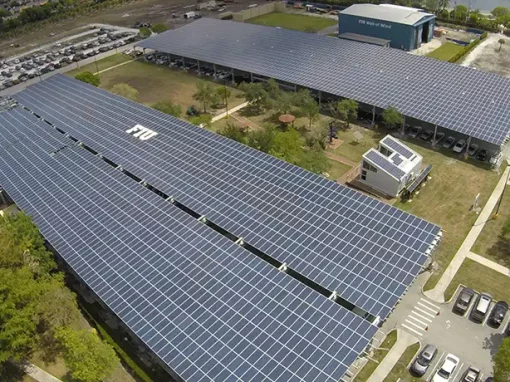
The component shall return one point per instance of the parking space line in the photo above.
(439, 360)
(470, 306)
(411, 329)
(425, 312)
(457, 371)
(428, 307)
(431, 304)
(418, 320)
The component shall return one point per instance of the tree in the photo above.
(234, 132)
(125, 90)
(255, 94)
(159, 28)
(502, 362)
(262, 139)
(204, 94)
(310, 109)
(169, 108)
(444, 14)
(347, 110)
(145, 32)
(392, 117)
(223, 93)
(500, 12)
(501, 42)
(474, 17)
(432, 5)
(89, 78)
(461, 13)
(443, 4)
(88, 358)
(287, 145)
(314, 160)
(285, 101)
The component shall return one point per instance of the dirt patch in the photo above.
(488, 58)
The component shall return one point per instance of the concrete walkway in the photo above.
(404, 340)
(116, 66)
(341, 159)
(39, 374)
(489, 263)
(437, 294)
(230, 111)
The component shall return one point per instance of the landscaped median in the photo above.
(377, 357)
(400, 371)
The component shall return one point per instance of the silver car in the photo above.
(423, 361)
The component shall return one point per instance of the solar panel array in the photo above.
(397, 159)
(208, 308)
(461, 99)
(367, 251)
(420, 178)
(384, 163)
(398, 147)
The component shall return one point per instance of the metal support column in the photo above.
(198, 67)
(183, 64)
(251, 77)
(233, 78)
(403, 123)
(373, 116)
(435, 133)
(320, 98)
(295, 87)
(214, 68)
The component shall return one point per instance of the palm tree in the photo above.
(501, 42)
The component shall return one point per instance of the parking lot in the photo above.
(16, 70)
(473, 343)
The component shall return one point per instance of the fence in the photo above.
(259, 11)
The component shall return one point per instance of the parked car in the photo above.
(446, 370)
(471, 375)
(498, 313)
(426, 135)
(423, 361)
(459, 146)
(482, 155)
(495, 158)
(463, 301)
(481, 307)
(472, 149)
(439, 137)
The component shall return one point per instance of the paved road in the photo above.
(16, 88)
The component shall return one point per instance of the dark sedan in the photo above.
(463, 301)
(498, 313)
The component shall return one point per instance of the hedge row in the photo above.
(468, 48)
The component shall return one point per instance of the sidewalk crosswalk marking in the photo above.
(423, 306)
(420, 317)
(412, 330)
(414, 324)
(425, 312)
(431, 304)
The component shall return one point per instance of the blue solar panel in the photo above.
(367, 251)
(384, 163)
(397, 159)
(208, 308)
(420, 178)
(461, 99)
(398, 147)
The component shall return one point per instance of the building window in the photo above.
(369, 167)
(384, 151)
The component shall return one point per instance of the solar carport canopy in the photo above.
(367, 251)
(211, 310)
(457, 98)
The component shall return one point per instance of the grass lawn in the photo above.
(292, 21)
(400, 371)
(446, 200)
(378, 356)
(159, 83)
(350, 147)
(446, 51)
(490, 243)
(337, 169)
(102, 64)
(482, 279)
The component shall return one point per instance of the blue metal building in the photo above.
(406, 28)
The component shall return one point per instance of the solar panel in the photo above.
(398, 147)
(384, 163)
(419, 179)
(367, 251)
(397, 159)
(205, 306)
(461, 99)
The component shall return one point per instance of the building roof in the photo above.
(454, 97)
(399, 163)
(365, 250)
(399, 15)
(208, 308)
(365, 39)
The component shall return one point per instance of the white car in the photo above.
(495, 158)
(446, 370)
(459, 146)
